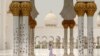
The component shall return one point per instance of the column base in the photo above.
(65, 54)
(32, 54)
(97, 46)
(71, 54)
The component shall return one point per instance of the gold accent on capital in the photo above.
(68, 23)
(71, 24)
(80, 8)
(65, 24)
(32, 22)
(26, 8)
(15, 8)
(90, 8)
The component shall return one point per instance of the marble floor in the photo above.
(45, 52)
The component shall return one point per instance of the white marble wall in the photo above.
(2, 25)
(5, 25)
(1, 35)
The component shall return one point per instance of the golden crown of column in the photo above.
(32, 22)
(65, 23)
(68, 23)
(71, 24)
(26, 8)
(15, 8)
(90, 8)
(80, 8)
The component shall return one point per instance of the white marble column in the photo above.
(16, 35)
(90, 36)
(32, 24)
(20, 32)
(65, 42)
(24, 47)
(80, 8)
(15, 9)
(24, 37)
(68, 7)
(71, 42)
(80, 36)
(90, 10)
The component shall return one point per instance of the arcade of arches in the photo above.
(64, 33)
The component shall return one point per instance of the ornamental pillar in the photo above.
(65, 25)
(15, 10)
(26, 8)
(32, 24)
(80, 8)
(68, 22)
(71, 26)
(90, 10)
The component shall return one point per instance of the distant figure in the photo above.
(51, 50)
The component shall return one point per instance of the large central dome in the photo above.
(50, 19)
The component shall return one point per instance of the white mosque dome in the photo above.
(50, 19)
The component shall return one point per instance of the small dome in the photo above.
(50, 19)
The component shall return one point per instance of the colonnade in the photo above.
(88, 7)
(68, 22)
(24, 26)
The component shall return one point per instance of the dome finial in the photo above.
(50, 11)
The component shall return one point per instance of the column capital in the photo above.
(26, 8)
(91, 8)
(80, 8)
(65, 24)
(68, 23)
(32, 22)
(15, 8)
(71, 24)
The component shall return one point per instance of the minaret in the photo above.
(68, 22)
(65, 25)
(34, 12)
(71, 26)
(98, 42)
